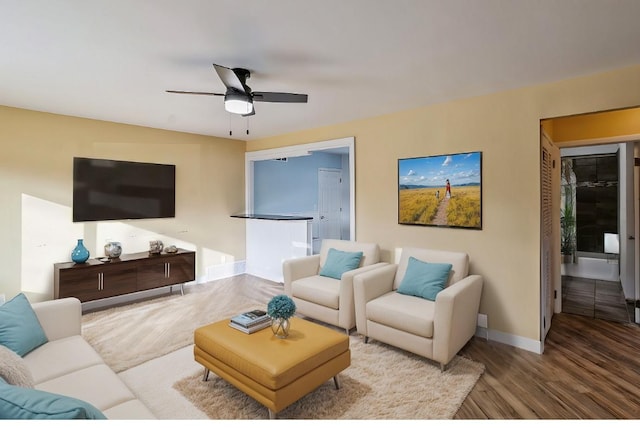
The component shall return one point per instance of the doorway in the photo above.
(596, 183)
(588, 131)
(292, 185)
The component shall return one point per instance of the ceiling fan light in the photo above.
(238, 103)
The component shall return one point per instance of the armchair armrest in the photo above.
(456, 316)
(368, 286)
(347, 317)
(59, 318)
(301, 267)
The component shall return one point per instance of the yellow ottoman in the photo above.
(276, 372)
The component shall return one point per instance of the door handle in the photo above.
(631, 238)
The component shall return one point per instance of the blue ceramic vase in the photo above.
(80, 254)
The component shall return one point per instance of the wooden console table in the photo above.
(129, 273)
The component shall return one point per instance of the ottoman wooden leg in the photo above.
(272, 414)
(205, 377)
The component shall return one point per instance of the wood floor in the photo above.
(596, 299)
(590, 370)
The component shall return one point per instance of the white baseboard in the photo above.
(510, 339)
(224, 271)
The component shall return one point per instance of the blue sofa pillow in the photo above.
(26, 403)
(424, 279)
(20, 329)
(339, 262)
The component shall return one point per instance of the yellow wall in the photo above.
(600, 125)
(505, 127)
(36, 152)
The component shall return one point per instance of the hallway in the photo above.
(595, 299)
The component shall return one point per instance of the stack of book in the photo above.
(249, 322)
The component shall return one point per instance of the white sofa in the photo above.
(433, 329)
(68, 365)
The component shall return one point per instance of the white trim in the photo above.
(225, 270)
(304, 150)
(510, 339)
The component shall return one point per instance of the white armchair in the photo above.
(323, 298)
(433, 329)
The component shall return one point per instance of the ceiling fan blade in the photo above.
(229, 78)
(279, 97)
(195, 93)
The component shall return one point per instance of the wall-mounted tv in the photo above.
(121, 190)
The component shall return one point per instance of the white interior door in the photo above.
(329, 203)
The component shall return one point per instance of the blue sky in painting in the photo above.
(460, 169)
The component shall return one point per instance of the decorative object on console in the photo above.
(280, 308)
(443, 190)
(171, 249)
(155, 246)
(80, 254)
(113, 250)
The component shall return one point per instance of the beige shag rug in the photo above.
(382, 383)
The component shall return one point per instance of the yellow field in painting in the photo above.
(419, 206)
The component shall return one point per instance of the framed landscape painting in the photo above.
(444, 190)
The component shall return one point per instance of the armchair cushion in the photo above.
(339, 262)
(20, 329)
(423, 279)
(322, 290)
(404, 313)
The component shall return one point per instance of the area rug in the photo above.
(382, 383)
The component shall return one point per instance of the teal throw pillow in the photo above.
(20, 329)
(26, 403)
(339, 262)
(424, 279)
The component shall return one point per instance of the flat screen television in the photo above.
(121, 190)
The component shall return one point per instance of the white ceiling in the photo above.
(113, 59)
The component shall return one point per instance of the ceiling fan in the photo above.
(239, 97)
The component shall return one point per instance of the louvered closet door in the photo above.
(549, 230)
